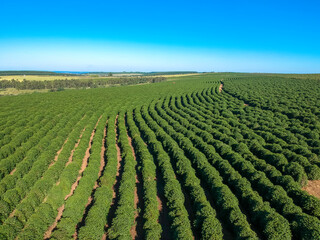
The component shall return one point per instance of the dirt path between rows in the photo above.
(85, 159)
(75, 147)
(60, 150)
(137, 229)
(71, 154)
(96, 185)
(54, 160)
(51, 164)
(48, 233)
(313, 188)
(12, 172)
(220, 87)
(116, 184)
(57, 155)
(83, 165)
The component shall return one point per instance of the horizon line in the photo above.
(164, 71)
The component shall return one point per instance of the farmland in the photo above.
(203, 156)
(27, 82)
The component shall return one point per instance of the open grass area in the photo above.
(13, 91)
(41, 77)
(84, 76)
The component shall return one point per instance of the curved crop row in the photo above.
(205, 221)
(39, 222)
(13, 196)
(151, 226)
(180, 224)
(308, 203)
(124, 215)
(299, 221)
(39, 190)
(96, 219)
(218, 189)
(273, 225)
(75, 204)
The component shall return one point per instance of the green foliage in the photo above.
(234, 161)
(60, 85)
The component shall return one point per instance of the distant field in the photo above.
(24, 84)
(126, 74)
(169, 76)
(302, 76)
(13, 91)
(90, 76)
(41, 77)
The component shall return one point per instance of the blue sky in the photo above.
(246, 36)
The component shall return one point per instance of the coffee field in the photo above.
(209, 156)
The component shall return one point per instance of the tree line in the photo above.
(76, 83)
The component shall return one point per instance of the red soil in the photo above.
(12, 172)
(96, 185)
(84, 163)
(58, 153)
(75, 147)
(74, 185)
(220, 87)
(12, 213)
(54, 225)
(313, 188)
(133, 230)
(55, 159)
(159, 204)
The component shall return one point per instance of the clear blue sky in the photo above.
(249, 36)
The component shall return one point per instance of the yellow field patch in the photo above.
(13, 91)
(178, 75)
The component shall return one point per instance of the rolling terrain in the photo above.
(207, 156)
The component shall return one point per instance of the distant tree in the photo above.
(109, 74)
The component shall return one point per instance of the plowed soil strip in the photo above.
(74, 185)
(84, 162)
(60, 150)
(220, 87)
(12, 172)
(58, 153)
(115, 188)
(96, 185)
(313, 188)
(12, 213)
(54, 161)
(53, 226)
(51, 164)
(137, 229)
(75, 147)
